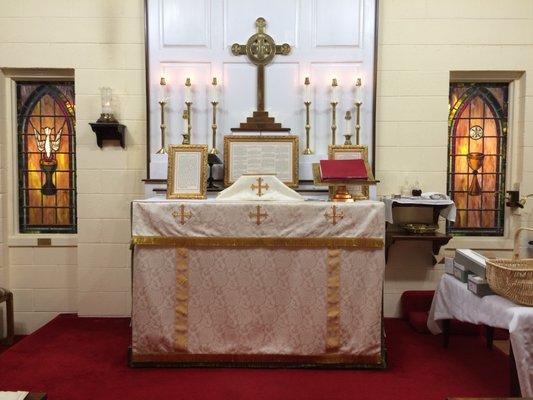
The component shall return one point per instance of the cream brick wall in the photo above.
(103, 42)
(420, 42)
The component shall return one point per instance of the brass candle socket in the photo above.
(187, 116)
(214, 150)
(475, 162)
(163, 149)
(333, 121)
(307, 150)
(358, 105)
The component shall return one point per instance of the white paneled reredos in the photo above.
(192, 39)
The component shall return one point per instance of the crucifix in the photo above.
(260, 50)
(258, 215)
(182, 214)
(334, 216)
(259, 186)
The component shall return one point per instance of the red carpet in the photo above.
(85, 358)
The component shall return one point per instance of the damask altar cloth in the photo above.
(282, 283)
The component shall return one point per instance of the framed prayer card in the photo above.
(350, 152)
(245, 154)
(187, 171)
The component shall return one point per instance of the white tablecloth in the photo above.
(213, 279)
(448, 212)
(453, 300)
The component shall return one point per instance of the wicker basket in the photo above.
(513, 278)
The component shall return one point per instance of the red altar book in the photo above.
(343, 169)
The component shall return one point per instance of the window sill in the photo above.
(480, 243)
(31, 240)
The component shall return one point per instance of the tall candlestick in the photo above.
(358, 104)
(307, 104)
(334, 101)
(187, 112)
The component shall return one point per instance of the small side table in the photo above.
(7, 296)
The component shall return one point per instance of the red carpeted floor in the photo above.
(85, 358)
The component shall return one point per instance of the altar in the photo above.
(257, 283)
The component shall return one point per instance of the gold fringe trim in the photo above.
(182, 299)
(333, 335)
(298, 242)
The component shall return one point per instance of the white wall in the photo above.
(420, 42)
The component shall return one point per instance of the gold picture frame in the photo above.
(347, 152)
(234, 143)
(193, 160)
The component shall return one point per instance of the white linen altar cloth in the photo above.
(453, 300)
(448, 212)
(256, 300)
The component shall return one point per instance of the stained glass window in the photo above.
(46, 157)
(477, 132)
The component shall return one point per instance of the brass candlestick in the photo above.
(187, 135)
(357, 120)
(214, 150)
(187, 116)
(358, 104)
(334, 102)
(348, 136)
(163, 149)
(333, 121)
(307, 150)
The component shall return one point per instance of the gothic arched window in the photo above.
(477, 131)
(46, 157)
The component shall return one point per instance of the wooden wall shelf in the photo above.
(394, 233)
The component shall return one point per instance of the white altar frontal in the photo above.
(257, 283)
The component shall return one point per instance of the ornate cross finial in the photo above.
(259, 187)
(258, 215)
(183, 215)
(334, 216)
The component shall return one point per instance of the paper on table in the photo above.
(13, 395)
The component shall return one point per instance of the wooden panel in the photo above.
(346, 29)
(239, 94)
(281, 16)
(185, 23)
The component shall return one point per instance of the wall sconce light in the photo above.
(107, 127)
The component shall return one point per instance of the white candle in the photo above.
(214, 90)
(106, 94)
(163, 89)
(334, 91)
(188, 95)
(307, 90)
(358, 91)
(348, 126)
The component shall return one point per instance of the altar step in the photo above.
(260, 121)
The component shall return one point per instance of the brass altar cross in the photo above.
(260, 50)
(182, 214)
(258, 215)
(334, 216)
(259, 187)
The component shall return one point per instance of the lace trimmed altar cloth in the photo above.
(248, 282)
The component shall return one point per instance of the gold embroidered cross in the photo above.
(334, 216)
(259, 186)
(258, 215)
(183, 214)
